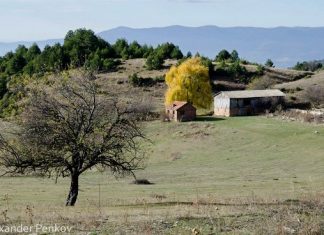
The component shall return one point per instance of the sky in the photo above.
(50, 19)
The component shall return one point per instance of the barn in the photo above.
(246, 102)
(181, 111)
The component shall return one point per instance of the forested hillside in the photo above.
(81, 49)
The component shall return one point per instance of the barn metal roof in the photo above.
(251, 94)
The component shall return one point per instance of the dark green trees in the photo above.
(33, 52)
(309, 65)
(235, 56)
(101, 61)
(164, 51)
(79, 44)
(224, 55)
(154, 61)
(269, 63)
(16, 61)
(81, 48)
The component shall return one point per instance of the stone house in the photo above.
(246, 102)
(181, 111)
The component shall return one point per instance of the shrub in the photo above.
(261, 83)
(235, 56)
(260, 70)
(96, 62)
(315, 95)
(309, 66)
(154, 61)
(3, 86)
(110, 64)
(168, 51)
(236, 70)
(269, 63)
(137, 81)
(189, 54)
(142, 182)
(182, 60)
(208, 63)
(223, 55)
(134, 80)
(159, 79)
(298, 89)
(245, 62)
(143, 109)
(221, 69)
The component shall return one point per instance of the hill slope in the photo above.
(299, 88)
(118, 80)
(245, 165)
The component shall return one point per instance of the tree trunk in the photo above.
(74, 190)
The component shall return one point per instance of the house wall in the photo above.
(243, 106)
(251, 106)
(221, 106)
(240, 107)
(185, 113)
(169, 113)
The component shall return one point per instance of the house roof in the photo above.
(251, 93)
(177, 105)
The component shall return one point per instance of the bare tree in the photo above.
(70, 127)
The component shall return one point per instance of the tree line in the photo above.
(309, 65)
(81, 48)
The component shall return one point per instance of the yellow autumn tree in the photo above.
(189, 82)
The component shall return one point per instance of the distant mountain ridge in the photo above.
(11, 46)
(284, 45)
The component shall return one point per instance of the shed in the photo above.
(246, 102)
(181, 111)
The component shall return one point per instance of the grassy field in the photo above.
(236, 175)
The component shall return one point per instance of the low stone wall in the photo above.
(315, 115)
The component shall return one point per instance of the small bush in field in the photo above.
(298, 89)
(315, 95)
(261, 83)
(142, 182)
(154, 61)
(159, 79)
(137, 81)
(293, 98)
